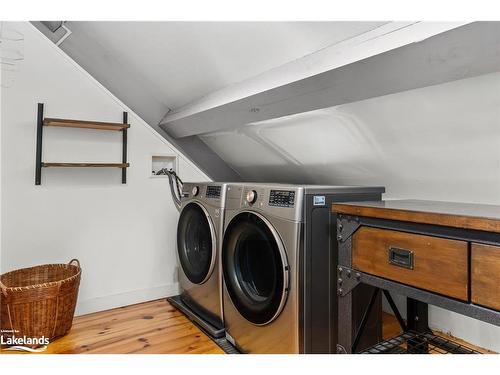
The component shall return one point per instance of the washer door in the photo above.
(255, 268)
(196, 243)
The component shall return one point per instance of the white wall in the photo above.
(1, 91)
(124, 235)
(440, 142)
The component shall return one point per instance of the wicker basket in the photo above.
(39, 301)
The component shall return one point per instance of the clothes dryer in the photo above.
(279, 258)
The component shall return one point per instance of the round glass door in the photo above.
(255, 268)
(195, 243)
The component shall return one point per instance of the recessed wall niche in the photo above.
(159, 162)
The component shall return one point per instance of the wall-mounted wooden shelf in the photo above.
(65, 123)
(86, 165)
(82, 124)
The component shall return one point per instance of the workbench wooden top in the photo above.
(452, 214)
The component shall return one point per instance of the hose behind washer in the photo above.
(173, 179)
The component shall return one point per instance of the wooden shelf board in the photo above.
(86, 165)
(66, 123)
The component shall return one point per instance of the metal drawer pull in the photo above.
(401, 257)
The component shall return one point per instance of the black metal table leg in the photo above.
(417, 315)
(345, 329)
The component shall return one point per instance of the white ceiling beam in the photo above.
(395, 57)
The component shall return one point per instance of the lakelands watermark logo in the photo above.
(9, 339)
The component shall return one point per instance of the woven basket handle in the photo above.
(75, 260)
(3, 288)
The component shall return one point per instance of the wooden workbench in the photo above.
(440, 253)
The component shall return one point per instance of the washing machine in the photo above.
(199, 232)
(279, 258)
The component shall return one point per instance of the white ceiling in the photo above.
(179, 62)
(439, 142)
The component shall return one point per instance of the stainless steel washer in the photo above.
(279, 267)
(199, 232)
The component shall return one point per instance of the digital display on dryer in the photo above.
(282, 198)
(213, 192)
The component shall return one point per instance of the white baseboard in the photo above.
(127, 298)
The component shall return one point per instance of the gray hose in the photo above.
(173, 179)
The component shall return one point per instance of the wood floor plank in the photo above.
(119, 325)
(157, 340)
(154, 327)
(108, 332)
(127, 312)
(87, 342)
(390, 326)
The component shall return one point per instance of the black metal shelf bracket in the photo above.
(39, 138)
(124, 150)
(39, 144)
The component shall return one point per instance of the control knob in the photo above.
(194, 191)
(251, 196)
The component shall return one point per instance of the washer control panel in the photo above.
(282, 198)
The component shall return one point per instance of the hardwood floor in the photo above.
(154, 327)
(390, 326)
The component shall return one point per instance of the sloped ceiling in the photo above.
(439, 142)
(156, 67)
(181, 61)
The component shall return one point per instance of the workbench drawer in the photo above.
(426, 262)
(485, 275)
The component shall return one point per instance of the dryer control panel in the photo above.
(213, 191)
(282, 198)
(272, 200)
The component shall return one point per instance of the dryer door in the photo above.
(196, 243)
(255, 268)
